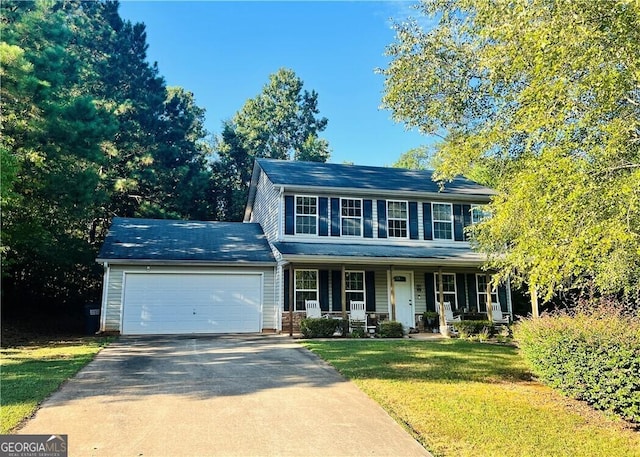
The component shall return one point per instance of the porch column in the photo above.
(291, 298)
(444, 328)
(533, 291)
(343, 291)
(509, 301)
(392, 295)
(489, 304)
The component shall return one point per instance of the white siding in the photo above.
(112, 307)
(266, 207)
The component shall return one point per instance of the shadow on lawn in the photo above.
(446, 361)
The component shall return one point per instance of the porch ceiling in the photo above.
(415, 254)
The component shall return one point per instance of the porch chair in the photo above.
(358, 316)
(312, 307)
(498, 316)
(448, 314)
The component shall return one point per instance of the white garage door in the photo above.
(191, 303)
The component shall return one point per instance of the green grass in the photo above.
(28, 375)
(460, 398)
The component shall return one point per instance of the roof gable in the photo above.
(188, 241)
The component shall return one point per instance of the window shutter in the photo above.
(289, 216)
(367, 212)
(323, 216)
(460, 291)
(370, 290)
(335, 217)
(324, 289)
(413, 220)
(472, 288)
(466, 218)
(430, 291)
(458, 223)
(426, 221)
(502, 297)
(382, 218)
(336, 292)
(286, 288)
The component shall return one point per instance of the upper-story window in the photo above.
(397, 215)
(478, 214)
(442, 221)
(351, 216)
(306, 215)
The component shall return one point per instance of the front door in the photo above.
(403, 289)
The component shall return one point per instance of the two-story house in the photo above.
(334, 233)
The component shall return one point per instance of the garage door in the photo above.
(191, 303)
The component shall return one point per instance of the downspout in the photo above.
(105, 290)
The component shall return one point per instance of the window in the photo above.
(354, 288)
(397, 219)
(306, 287)
(306, 215)
(351, 216)
(442, 221)
(449, 289)
(481, 281)
(478, 214)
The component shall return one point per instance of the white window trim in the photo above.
(351, 217)
(296, 214)
(473, 222)
(433, 221)
(454, 305)
(479, 293)
(296, 290)
(364, 283)
(406, 220)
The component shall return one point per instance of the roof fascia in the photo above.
(203, 263)
(380, 261)
(479, 198)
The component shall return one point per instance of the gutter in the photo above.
(201, 263)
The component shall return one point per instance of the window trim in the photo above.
(406, 220)
(485, 214)
(342, 218)
(296, 290)
(480, 293)
(364, 285)
(454, 304)
(296, 214)
(434, 220)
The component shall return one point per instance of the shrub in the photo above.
(589, 356)
(391, 329)
(468, 328)
(318, 327)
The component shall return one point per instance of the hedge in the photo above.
(391, 329)
(474, 327)
(318, 327)
(595, 358)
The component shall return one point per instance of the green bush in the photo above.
(468, 328)
(589, 356)
(318, 327)
(391, 329)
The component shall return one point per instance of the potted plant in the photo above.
(430, 318)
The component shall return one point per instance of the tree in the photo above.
(414, 159)
(541, 100)
(279, 123)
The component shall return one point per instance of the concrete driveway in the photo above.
(217, 396)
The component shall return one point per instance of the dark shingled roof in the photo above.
(315, 174)
(188, 241)
(417, 252)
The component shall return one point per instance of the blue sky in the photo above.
(224, 52)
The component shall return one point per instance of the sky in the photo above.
(224, 52)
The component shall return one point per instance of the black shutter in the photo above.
(286, 289)
(336, 290)
(323, 213)
(466, 218)
(324, 290)
(426, 221)
(370, 290)
(460, 287)
(413, 220)
(289, 216)
(473, 292)
(502, 297)
(367, 212)
(382, 218)
(458, 223)
(335, 217)
(430, 291)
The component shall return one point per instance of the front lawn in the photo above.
(460, 398)
(30, 374)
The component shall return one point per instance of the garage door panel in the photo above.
(192, 303)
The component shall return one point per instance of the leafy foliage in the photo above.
(539, 100)
(314, 327)
(593, 357)
(391, 329)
